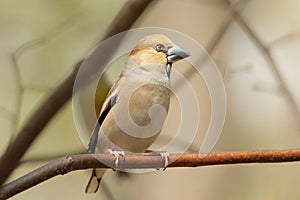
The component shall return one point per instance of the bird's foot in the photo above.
(165, 157)
(117, 155)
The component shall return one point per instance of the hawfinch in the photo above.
(128, 119)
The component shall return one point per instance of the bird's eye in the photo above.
(160, 47)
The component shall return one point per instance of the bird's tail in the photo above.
(95, 180)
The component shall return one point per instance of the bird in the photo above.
(137, 104)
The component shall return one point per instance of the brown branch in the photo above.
(67, 164)
(40, 118)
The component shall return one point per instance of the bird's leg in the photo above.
(117, 155)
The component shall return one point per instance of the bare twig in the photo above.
(284, 38)
(217, 37)
(77, 162)
(233, 8)
(6, 113)
(40, 118)
(20, 88)
(268, 55)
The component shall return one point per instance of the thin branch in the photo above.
(233, 8)
(6, 113)
(67, 164)
(268, 55)
(284, 38)
(40, 118)
(50, 35)
(27, 46)
(20, 93)
(217, 37)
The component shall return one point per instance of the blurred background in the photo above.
(257, 53)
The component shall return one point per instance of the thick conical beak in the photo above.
(176, 53)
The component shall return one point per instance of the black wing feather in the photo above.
(94, 138)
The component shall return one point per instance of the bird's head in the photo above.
(157, 53)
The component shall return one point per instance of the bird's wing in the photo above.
(94, 138)
(107, 105)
